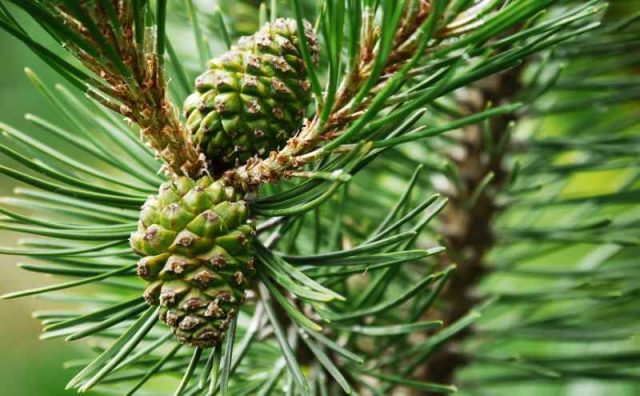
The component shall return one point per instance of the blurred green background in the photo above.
(30, 366)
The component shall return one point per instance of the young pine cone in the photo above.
(252, 99)
(196, 248)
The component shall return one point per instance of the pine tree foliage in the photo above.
(427, 228)
(555, 243)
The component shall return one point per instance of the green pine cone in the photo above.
(196, 248)
(252, 98)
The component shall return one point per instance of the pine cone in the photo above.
(252, 98)
(197, 256)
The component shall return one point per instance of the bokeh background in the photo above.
(29, 366)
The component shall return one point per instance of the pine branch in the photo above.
(346, 252)
(370, 72)
(112, 40)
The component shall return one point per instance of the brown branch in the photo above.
(468, 230)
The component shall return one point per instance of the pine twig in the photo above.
(113, 42)
(327, 126)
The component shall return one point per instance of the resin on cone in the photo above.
(252, 99)
(196, 248)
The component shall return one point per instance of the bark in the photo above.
(468, 230)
